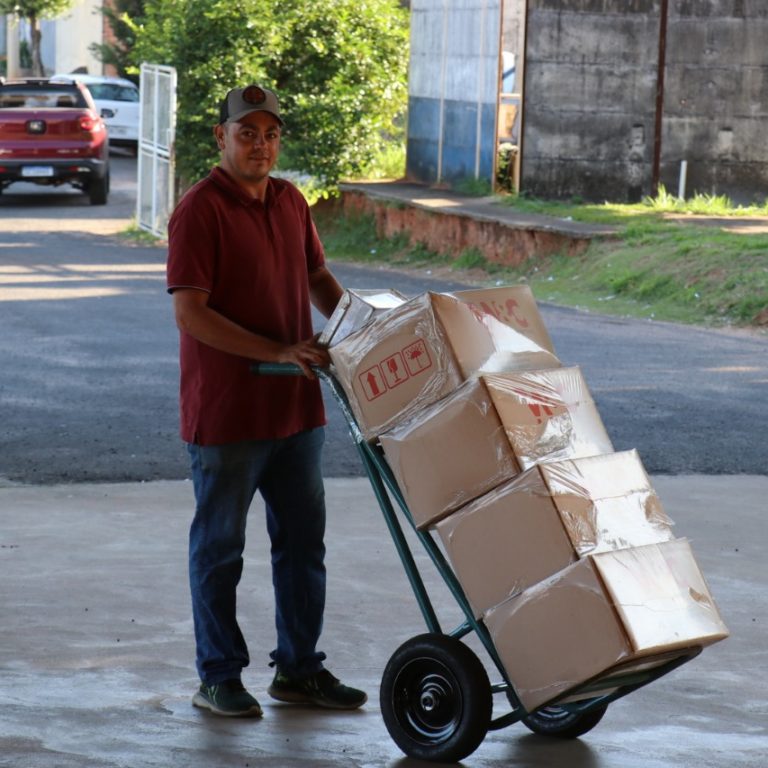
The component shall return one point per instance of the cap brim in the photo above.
(240, 115)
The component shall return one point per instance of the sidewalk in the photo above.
(96, 652)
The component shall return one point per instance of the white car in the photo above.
(117, 100)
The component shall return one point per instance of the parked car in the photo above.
(117, 100)
(51, 134)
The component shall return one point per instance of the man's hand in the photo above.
(305, 354)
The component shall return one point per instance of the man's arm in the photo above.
(195, 317)
(324, 290)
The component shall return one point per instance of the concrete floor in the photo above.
(96, 652)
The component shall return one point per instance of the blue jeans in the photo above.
(288, 475)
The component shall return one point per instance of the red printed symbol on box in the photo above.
(417, 357)
(373, 383)
(537, 409)
(394, 370)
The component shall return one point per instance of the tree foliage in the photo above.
(338, 66)
(33, 11)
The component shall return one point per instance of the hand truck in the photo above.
(436, 697)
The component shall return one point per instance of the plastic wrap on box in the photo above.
(505, 541)
(481, 343)
(557, 634)
(355, 309)
(419, 352)
(606, 502)
(602, 611)
(538, 523)
(400, 362)
(513, 305)
(548, 415)
(661, 596)
(451, 452)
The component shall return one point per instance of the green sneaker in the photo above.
(322, 689)
(229, 699)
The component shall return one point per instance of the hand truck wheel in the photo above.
(436, 698)
(559, 722)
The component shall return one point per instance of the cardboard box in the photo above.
(513, 305)
(548, 415)
(602, 611)
(542, 415)
(355, 309)
(533, 526)
(421, 351)
(450, 452)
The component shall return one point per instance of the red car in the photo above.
(51, 133)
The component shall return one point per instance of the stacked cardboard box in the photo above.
(416, 354)
(561, 545)
(487, 431)
(602, 613)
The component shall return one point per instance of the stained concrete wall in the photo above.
(716, 97)
(590, 98)
(453, 89)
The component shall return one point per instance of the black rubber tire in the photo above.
(98, 190)
(436, 699)
(556, 721)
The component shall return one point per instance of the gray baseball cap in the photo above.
(240, 102)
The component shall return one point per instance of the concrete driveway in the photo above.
(96, 653)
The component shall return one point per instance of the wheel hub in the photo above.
(431, 697)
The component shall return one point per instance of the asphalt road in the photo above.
(88, 378)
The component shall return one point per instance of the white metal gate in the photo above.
(157, 135)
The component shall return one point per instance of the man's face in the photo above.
(249, 148)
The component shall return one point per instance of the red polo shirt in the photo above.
(253, 259)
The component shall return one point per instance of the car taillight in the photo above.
(90, 124)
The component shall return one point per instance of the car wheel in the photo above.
(98, 190)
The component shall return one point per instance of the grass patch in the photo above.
(654, 268)
(138, 236)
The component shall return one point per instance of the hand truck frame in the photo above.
(436, 697)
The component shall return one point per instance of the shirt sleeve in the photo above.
(192, 250)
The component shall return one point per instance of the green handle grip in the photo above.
(278, 369)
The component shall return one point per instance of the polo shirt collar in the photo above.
(225, 182)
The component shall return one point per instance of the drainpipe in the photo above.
(656, 171)
(443, 67)
(522, 72)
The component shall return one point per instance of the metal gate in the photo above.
(157, 135)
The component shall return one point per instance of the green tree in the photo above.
(121, 16)
(33, 11)
(339, 67)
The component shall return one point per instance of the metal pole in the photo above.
(656, 172)
(480, 91)
(681, 182)
(441, 124)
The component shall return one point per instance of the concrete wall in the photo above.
(716, 97)
(589, 101)
(453, 89)
(67, 39)
(590, 98)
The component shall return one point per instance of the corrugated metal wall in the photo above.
(453, 89)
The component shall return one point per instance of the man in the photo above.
(244, 263)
